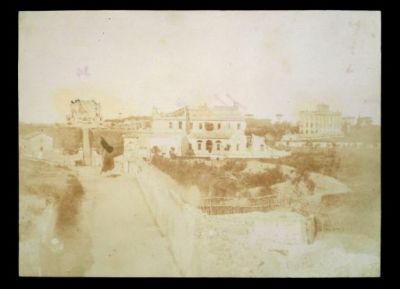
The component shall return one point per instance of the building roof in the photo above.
(205, 113)
(222, 113)
(321, 109)
(181, 113)
(339, 139)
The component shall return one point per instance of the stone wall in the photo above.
(197, 240)
(177, 220)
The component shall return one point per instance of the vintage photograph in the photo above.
(199, 143)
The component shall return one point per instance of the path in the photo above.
(125, 239)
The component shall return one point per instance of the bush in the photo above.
(266, 179)
(240, 166)
(225, 181)
(224, 187)
(234, 166)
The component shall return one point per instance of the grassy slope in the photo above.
(43, 187)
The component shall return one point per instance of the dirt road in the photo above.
(125, 239)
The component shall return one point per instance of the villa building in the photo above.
(214, 132)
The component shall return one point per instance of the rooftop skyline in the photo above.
(269, 62)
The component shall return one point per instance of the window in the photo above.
(199, 145)
(219, 125)
(170, 124)
(261, 147)
(200, 126)
(218, 145)
(180, 125)
(238, 126)
(209, 126)
(237, 147)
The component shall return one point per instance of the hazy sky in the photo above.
(269, 61)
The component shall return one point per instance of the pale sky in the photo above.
(269, 61)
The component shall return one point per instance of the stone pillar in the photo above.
(87, 151)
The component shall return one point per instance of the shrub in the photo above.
(266, 179)
(234, 166)
(229, 165)
(224, 187)
(240, 166)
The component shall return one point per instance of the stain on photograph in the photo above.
(199, 143)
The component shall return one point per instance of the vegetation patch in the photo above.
(68, 208)
(226, 180)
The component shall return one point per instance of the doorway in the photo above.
(209, 146)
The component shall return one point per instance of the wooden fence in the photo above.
(216, 206)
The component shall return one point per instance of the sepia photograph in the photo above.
(199, 143)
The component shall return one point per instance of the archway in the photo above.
(209, 146)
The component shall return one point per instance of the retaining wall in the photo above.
(177, 220)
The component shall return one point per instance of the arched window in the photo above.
(209, 146)
(209, 126)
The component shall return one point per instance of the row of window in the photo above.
(311, 131)
(207, 125)
(208, 146)
(318, 125)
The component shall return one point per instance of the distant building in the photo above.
(84, 112)
(36, 145)
(136, 123)
(321, 122)
(215, 132)
(364, 121)
(206, 131)
(348, 122)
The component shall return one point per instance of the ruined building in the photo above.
(84, 112)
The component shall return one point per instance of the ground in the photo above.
(79, 222)
(114, 233)
(125, 238)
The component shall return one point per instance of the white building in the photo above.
(36, 145)
(321, 122)
(217, 132)
(201, 131)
